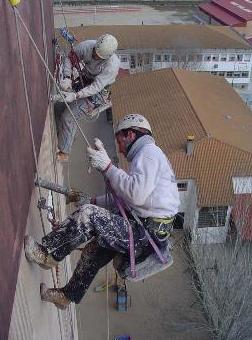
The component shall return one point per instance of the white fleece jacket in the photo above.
(149, 187)
(104, 72)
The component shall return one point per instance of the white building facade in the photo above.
(233, 64)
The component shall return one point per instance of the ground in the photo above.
(121, 15)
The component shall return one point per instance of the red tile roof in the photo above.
(240, 8)
(221, 15)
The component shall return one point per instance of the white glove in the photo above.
(66, 85)
(98, 157)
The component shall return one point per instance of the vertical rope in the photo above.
(44, 35)
(107, 303)
(33, 146)
(50, 74)
(29, 116)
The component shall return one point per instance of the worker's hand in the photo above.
(66, 85)
(68, 96)
(98, 157)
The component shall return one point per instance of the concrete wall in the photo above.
(31, 319)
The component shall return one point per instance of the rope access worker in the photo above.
(149, 188)
(100, 66)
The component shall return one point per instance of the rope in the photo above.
(32, 136)
(45, 45)
(29, 116)
(51, 76)
(107, 303)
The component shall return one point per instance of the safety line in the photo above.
(44, 35)
(51, 76)
(107, 303)
(34, 148)
(29, 116)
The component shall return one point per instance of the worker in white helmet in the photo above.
(89, 95)
(149, 191)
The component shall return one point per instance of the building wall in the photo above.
(188, 205)
(211, 234)
(32, 319)
(17, 167)
(236, 68)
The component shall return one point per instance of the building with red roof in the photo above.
(236, 13)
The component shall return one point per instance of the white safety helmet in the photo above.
(133, 120)
(105, 46)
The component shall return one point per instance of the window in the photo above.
(146, 58)
(214, 73)
(222, 74)
(246, 57)
(223, 57)
(229, 74)
(124, 59)
(132, 61)
(237, 74)
(239, 57)
(174, 57)
(158, 58)
(139, 60)
(191, 57)
(215, 66)
(167, 57)
(212, 217)
(182, 186)
(207, 58)
(198, 57)
(182, 58)
(215, 57)
(244, 74)
(231, 57)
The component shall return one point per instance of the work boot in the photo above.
(35, 252)
(54, 295)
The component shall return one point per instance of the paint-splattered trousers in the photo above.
(108, 233)
(88, 108)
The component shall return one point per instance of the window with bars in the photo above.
(247, 57)
(239, 57)
(182, 186)
(207, 58)
(124, 58)
(167, 57)
(132, 61)
(223, 57)
(158, 58)
(212, 217)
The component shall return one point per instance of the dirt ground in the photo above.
(164, 306)
(123, 15)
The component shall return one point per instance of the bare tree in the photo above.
(223, 277)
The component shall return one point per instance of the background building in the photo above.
(213, 49)
(182, 104)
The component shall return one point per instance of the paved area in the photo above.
(162, 307)
(123, 15)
